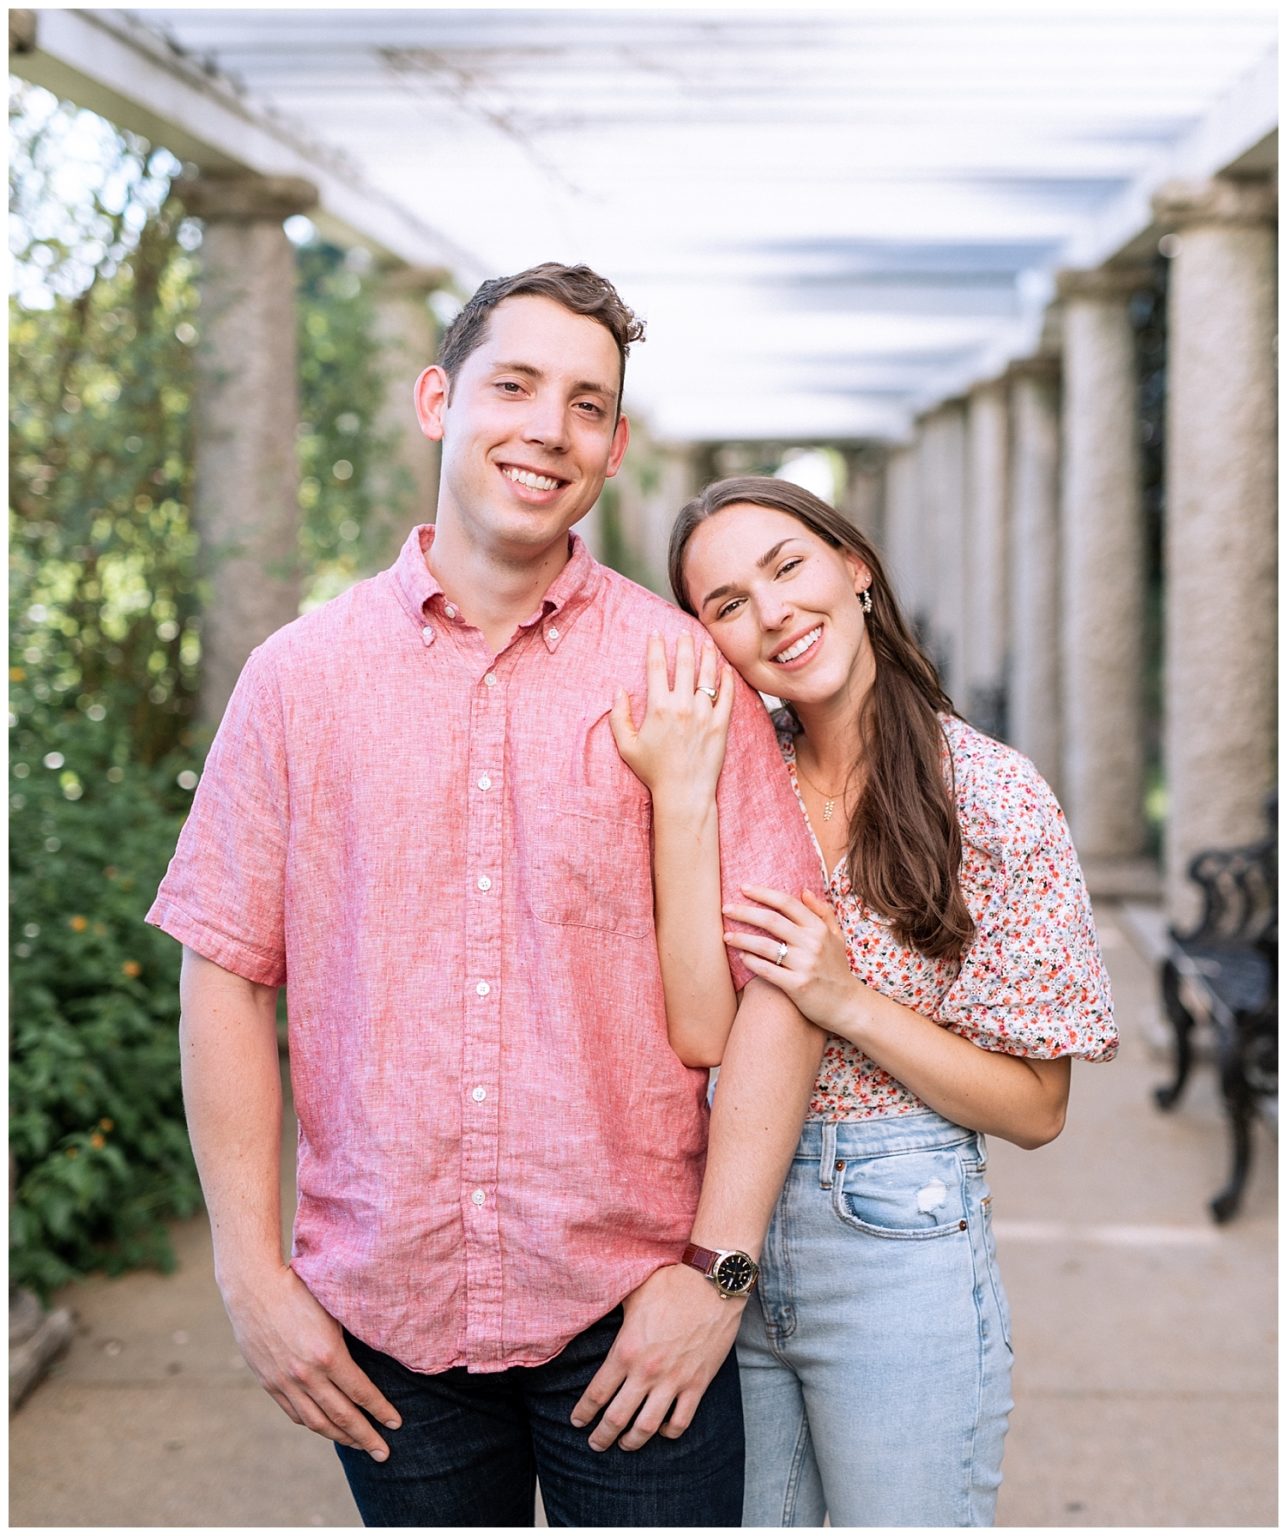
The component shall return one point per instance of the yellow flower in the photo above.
(132, 968)
(17, 674)
(106, 1125)
(78, 924)
(73, 1152)
(96, 1141)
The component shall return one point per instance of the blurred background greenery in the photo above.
(105, 647)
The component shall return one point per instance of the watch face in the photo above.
(735, 1273)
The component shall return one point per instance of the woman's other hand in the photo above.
(678, 748)
(814, 969)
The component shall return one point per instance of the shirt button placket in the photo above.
(484, 1001)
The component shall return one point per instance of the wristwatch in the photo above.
(732, 1272)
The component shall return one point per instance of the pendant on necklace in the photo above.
(827, 809)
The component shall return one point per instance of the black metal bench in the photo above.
(1224, 972)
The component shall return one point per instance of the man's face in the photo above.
(531, 430)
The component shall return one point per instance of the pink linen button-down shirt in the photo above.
(441, 854)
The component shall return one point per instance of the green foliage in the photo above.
(343, 453)
(103, 645)
(103, 591)
(96, 1121)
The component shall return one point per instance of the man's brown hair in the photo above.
(579, 289)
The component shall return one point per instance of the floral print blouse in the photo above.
(1033, 981)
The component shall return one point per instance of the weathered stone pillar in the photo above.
(679, 477)
(986, 579)
(1220, 558)
(921, 556)
(902, 547)
(1034, 563)
(405, 483)
(943, 494)
(1102, 572)
(863, 502)
(246, 414)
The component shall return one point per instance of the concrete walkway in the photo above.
(1145, 1340)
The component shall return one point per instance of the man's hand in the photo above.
(296, 1350)
(676, 1333)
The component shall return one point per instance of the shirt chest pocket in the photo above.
(593, 863)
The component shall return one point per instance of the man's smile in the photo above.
(533, 479)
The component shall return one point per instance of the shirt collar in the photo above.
(568, 594)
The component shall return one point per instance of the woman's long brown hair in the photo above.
(904, 836)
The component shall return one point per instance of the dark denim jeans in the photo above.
(471, 1448)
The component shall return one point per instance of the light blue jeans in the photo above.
(875, 1357)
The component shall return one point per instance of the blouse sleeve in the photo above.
(1033, 981)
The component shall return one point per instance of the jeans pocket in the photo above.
(916, 1195)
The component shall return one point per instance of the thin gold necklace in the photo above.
(828, 801)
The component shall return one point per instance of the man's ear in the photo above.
(431, 391)
(620, 442)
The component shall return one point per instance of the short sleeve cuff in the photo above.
(230, 954)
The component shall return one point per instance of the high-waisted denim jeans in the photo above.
(875, 1359)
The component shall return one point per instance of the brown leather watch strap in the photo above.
(700, 1258)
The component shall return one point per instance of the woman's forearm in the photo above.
(700, 998)
(1013, 1097)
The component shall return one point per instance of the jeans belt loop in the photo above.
(827, 1162)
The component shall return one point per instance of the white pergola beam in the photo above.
(1243, 118)
(103, 61)
(1245, 115)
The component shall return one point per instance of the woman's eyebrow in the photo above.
(765, 559)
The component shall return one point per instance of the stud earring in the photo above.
(864, 597)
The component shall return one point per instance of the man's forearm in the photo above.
(769, 1067)
(233, 1099)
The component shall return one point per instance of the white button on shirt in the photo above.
(484, 884)
(484, 782)
(490, 680)
(479, 1196)
(478, 1095)
(482, 989)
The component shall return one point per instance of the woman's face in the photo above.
(780, 603)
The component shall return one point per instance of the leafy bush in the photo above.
(96, 1127)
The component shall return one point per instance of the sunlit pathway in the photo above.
(1145, 1338)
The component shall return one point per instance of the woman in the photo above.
(954, 968)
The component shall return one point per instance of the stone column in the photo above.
(405, 482)
(1102, 572)
(1034, 563)
(863, 502)
(943, 494)
(920, 556)
(903, 543)
(677, 476)
(1220, 559)
(986, 579)
(246, 412)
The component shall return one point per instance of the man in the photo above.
(415, 814)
